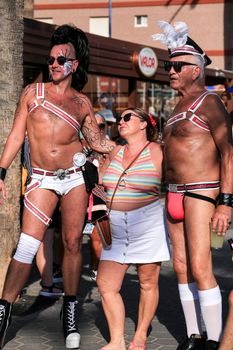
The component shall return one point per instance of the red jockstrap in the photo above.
(175, 205)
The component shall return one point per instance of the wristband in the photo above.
(225, 199)
(2, 173)
(230, 241)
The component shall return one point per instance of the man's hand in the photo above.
(221, 219)
(2, 192)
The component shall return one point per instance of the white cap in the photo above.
(108, 115)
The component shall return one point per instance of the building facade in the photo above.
(120, 31)
(209, 21)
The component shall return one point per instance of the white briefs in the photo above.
(62, 185)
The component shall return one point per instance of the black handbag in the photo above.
(90, 175)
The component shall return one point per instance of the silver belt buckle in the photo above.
(172, 188)
(61, 174)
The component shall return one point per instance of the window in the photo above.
(99, 26)
(141, 21)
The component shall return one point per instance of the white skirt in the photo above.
(138, 236)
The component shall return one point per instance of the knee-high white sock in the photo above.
(191, 307)
(211, 308)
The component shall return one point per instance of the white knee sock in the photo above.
(191, 307)
(211, 308)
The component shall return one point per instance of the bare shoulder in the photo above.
(81, 100)
(213, 109)
(213, 101)
(155, 147)
(29, 91)
(83, 105)
(156, 154)
(115, 150)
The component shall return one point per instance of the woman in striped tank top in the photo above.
(137, 222)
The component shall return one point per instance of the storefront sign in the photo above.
(146, 61)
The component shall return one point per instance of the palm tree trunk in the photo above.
(11, 82)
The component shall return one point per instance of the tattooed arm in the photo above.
(94, 137)
(97, 141)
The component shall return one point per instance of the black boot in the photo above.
(70, 326)
(212, 345)
(5, 319)
(194, 342)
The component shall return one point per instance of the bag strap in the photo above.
(130, 164)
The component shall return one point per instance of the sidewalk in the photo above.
(36, 321)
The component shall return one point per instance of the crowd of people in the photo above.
(194, 159)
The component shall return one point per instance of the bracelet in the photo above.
(225, 199)
(230, 241)
(2, 173)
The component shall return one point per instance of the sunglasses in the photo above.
(126, 117)
(176, 65)
(61, 60)
(101, 126)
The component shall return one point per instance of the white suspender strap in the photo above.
(39, 90)
(176, 118)
(61, 114)
(196, 104)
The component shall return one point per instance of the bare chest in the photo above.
(59, 110)
(184, 129)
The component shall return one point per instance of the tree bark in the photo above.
(11, 82)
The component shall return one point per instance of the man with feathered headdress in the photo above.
(198, 164)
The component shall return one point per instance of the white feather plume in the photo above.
(174, 35)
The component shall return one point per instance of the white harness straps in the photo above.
(32, 208)
(195, 119)
(40, 101)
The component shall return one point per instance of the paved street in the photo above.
(36, 323)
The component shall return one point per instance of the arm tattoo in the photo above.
(90, 130)
(95, 139)
(79, 101)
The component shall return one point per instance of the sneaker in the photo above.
(70, 326)
(5, 319)
(194, 342)
(57, 277)
(212, 345)
(93, 275)
(52, 291)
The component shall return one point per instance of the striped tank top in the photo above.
(141, 182)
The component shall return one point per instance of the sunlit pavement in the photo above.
(36, 321)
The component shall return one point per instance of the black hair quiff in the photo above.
(65, 34)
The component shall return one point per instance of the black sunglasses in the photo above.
(101, 126)
(176, 65)
(126, 117)
(61, 60)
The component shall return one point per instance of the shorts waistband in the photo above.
(59, 173)
(194, 186)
